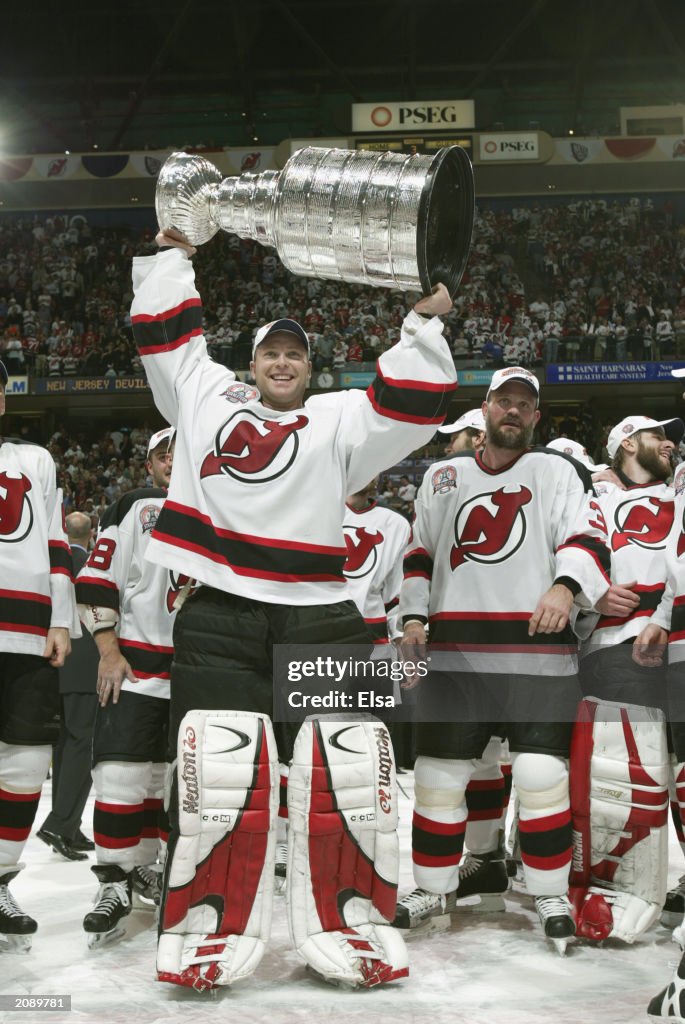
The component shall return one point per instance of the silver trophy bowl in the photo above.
(388, 220)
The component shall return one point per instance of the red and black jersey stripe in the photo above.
(418, 563)
(152, 808)
(60, 557)
(495, 630)
(163, 332)
(678, 620)
(263, 557)
(146, 660)
(378, 630)
(411, 401)
(593, 547)
(650, 596)
(23, 612)
(93, 590)
(546, 841)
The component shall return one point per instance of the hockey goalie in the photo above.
(342, 859)
(619, 805)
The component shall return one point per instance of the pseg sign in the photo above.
(428, 115)
(512, 146)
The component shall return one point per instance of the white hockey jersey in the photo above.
(257, 496)
(486, 545)
(670, 614)
(376, 539)
(637, 523)
(118, 576)
(36, 590)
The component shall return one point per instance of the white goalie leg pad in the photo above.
(619, 804)
(218, 893)
(343, 852)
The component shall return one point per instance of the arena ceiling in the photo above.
(81, 75)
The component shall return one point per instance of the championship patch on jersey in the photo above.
(444, 479)
(149, 515)
(679, 480)
(240, 393)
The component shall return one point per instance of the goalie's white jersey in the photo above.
(638, 523)
(376, 540)
(36, 590)
(487, 544)
(257, 496)
(117, 576)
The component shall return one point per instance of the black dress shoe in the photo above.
(81, 843)
(61, 845)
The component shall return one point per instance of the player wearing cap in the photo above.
(502, 559)
(619, 871)
(255, 513)
(128, 604)
(576, 451)
(465, 434)
(37, 618)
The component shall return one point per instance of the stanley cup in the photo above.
(384, 219)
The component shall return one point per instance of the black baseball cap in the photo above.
(287, 326)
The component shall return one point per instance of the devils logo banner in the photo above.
(252, 449)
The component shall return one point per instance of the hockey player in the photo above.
(128, 605)
(37, 618)
(465, 434)
(255, 513)
(509, 667)
(618, 878)
(376, 539)
(665, 631)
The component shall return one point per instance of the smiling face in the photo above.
(281, 371)
(653, 452)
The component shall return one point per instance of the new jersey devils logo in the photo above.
(363, 550)
(177, 582)
(252, 449)
(16, 512)
(645, 523)
(490, 527)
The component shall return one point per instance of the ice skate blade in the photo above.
(560, 945)
(489, 903)
(96, 940)
(15, 944)
(431, 926)
(140, 902)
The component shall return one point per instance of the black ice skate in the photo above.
(112, 903)
(557, 920)
(482, 875)
(674, 905)
(146, 886)
(280, 868)
(16, 927)
(670, 1003)
(420, 906)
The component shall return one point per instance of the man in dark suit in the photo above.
(71, 778)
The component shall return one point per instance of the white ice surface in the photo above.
(487, 969)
